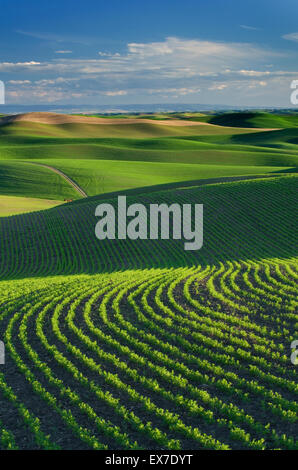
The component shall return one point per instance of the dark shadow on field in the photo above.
(249, 219)
(176, 185)
(270, 138)
(287, 170)
(285, 141)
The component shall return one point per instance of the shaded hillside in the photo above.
(251, 219)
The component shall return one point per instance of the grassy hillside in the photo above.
(110, 157)
(255, 120)
(204, 153)
(149, 142)
(33, 181)
(104, 176)
(66, 233)
(244, 119)
(11, 205)
(137, 130)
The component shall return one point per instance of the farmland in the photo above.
(138, 344)
(11, 205)
(113, 154)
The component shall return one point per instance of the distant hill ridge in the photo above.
(255, 120)
(55, 118)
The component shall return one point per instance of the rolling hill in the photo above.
(60, 233)
(110, 154)
(255, 120)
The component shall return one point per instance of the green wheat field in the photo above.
(139, 344)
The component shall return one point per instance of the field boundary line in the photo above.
(66, 177)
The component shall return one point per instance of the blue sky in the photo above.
(131, 52)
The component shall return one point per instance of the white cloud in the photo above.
(6, 66)
(253, 73)
(260, 73)
(174, 67)
(114, 93)
(196, 54)
(178, 91)
(63, 52)
(173, 57)
(19, 82)
(42, 95)
(218, 87)
(108, 54)
(256, 84)
(291, 36)
(249, 28)
(45, 82)
(152, 49)
(54, 81)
